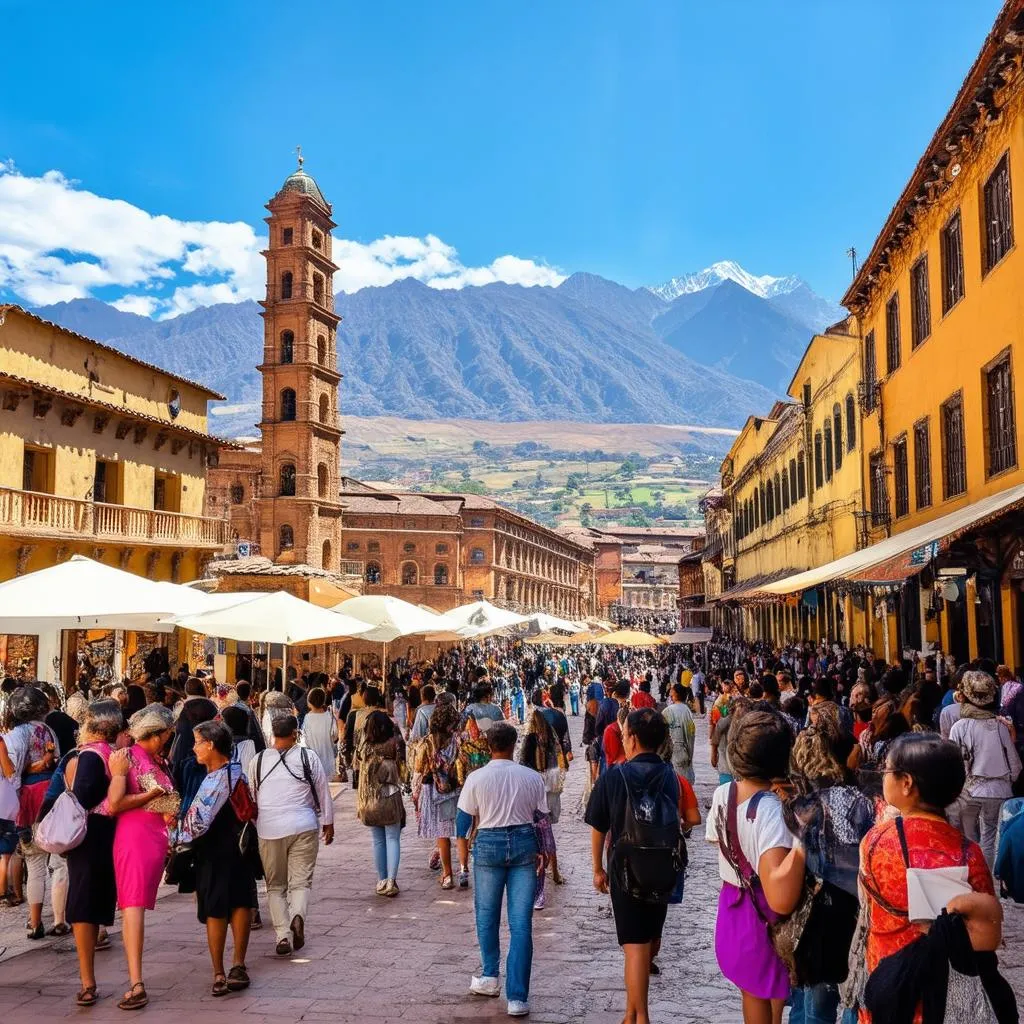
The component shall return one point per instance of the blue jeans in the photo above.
(506, 859)
(574, 702)
(387, 851)
(814, 1004)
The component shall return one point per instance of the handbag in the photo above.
(181, 868)
(64, 826)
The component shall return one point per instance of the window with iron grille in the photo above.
(801, 476)
(954, 458)
(952, 263)
(828, 449)
(892, 334)
(785, 490)
(922, 464)
(792, 479)
(879, 497)
(920, 303)
(778, 496)
(900, 477)
(870, 370)
(851, 423)
(837, 434)
(818, 475)
(1002, 433)
(998, 214)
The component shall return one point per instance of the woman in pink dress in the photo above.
(143, 799)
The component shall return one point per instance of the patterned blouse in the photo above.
(212, 796)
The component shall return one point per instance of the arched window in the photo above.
(321, 350)
(287, 405)
(778, 496)
(237, 494)
(285, 538)
(792, 480)
(819, 478)
(318, 289)
(410, 574)
(373, 572)
(785, 490)
(757, 507)
(770, 501)
(477, 556)
(321, 480)
(287, 347)
(764, 505)
(837, 434)
(409, 547)
(287, 480)
(286, 285)
(441, 549)
(325, 405)
(828, 449)
(373, 545)
(440, 575)
(851, 423)
(325, 561)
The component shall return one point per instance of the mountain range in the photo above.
(705, 348)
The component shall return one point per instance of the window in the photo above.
(107, 485)
(922, 464)
(237, 494)
(410, 574)
(409, 548)
(807, 396)
(900, 478)
(321, 350)
(318, 289)
(325, 555)
(764, 506)
(287, 347)
(801, 476)
(998, 214)
(870, 371)
(318, 239)
(792, 480)
(285, 538)
(325, 405)
(322, 480)
(477, 556)
(287, 405)
(778, 496)
(785, 491)
(954, 459)
(286, 480)
(892, 334)
(851, 423)
(828, 449)
(441, 549)
(819, 477)
(837, 434)
(352, 545)
(757, 511)
(287, 235)
(440, 575)
(920, 303)
(952, 240)
(286, 285)
(167, 492)
(37, 471)
(373, 545)
(476, 521)
(879, 498)
(770, 502)
(1001, 433)
(372, 572)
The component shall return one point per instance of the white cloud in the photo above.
(59, 241)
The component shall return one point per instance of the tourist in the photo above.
(638, 922)
(642, 698)
(320, 730)
(698, 685)
(991, 759)
(294, 805)
(421, 723)
(373, 699)
(505, 802)
(483, 708)
(92, 888)
(761, 868)
(225, 882)
(574, 695)
(236, 720)
(379, 803)
(542, 751)
(682, 731)
(142, 797)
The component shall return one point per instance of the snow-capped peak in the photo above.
(726, 270)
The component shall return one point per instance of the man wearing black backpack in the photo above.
(644, 805)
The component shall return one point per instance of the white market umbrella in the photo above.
(390, 617)
(547, 623)
(482, 618)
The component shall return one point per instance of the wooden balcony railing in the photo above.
(50, 515)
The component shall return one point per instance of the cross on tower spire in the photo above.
(302, 159)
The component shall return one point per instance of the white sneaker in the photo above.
(485, 986)
(518, 1009)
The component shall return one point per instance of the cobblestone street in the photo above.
(409, 959)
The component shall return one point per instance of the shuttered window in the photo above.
(922, 464)
(998, 214)
(954, 458)
(900, 477)
(1002, 434)
(920, 303)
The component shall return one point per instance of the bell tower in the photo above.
(300, 510)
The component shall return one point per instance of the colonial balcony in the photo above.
(31, 514)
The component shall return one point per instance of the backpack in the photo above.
(442, 769)
(650, 852)
(1009, 868)
(307, 774)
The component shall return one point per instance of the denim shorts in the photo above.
(8, 837)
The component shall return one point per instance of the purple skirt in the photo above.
(745, 953)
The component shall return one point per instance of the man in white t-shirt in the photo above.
(506, 800)
(294, 803)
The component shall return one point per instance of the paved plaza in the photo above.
(409, 959)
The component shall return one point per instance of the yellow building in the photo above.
(102, 455)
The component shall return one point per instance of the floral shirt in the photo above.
(212, 796)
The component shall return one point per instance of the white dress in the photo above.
(320, 733)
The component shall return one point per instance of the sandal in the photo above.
(220, 986)
(35, 934)
(60, 929)
(87, 997)
(238, 978)
(103, 940)
(447, 882)
(135, 999)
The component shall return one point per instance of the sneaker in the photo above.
(463, 878)
(540, 903)
(435, 860)
(391, 888)
(516, 1008)
(485, 986)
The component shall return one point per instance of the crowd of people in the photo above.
(856, 802)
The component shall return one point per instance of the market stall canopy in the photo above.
(631, 638)
(275, 618)
(82, 593)
(920, 538)
(545, 623)
(692, 635)
(481, 618)
(390, 618)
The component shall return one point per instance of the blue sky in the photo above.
(636, 140)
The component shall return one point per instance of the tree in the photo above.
(585, 516)
(637, 519)
(465, 474)
(574, 481)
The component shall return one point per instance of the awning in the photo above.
(749, 587)
(908, 551)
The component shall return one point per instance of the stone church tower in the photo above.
(299, 507)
